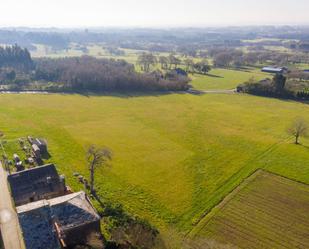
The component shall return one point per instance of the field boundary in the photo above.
(237, 175)
(207, 218)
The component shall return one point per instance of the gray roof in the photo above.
(38, 229)
(273, 69)
(69, 211)
(39, 181)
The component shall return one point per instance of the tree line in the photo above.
(89, 73)
(81, 73)
(170, 62)
(15, 57)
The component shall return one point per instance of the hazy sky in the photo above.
(75, 13)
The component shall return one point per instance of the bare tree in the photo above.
(97, 157)
(164, 62)
(145, 60)
(189, 65)
(299, 128)
(173, 60)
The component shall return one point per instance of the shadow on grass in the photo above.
(241, 69)
(46, 156)
(126, 94)
(88, 94)
(213, 75)
(210, 75)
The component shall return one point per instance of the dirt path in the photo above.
(9, 225)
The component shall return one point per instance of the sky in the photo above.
(152, 13)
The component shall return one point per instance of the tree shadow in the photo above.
(125, 94)
(98, 199)
(46, 155)
(213, 75)
(242, 69)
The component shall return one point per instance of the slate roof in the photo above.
(37, 227)
(69, 211)
(273, 69)
(38, 181)
(73, 210)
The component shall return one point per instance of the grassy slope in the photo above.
(175, 156)
(258, 214)
(225, 79)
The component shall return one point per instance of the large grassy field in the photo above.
(175, 156)
(225, 79)
(267, 211)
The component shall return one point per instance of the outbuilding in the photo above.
(274, 70)
(64, 221)
(34, 184)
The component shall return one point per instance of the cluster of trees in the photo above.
(279, 86)
(200, 67)
(298, 75)
(226, 57)
(115, 51)
(15, 57)
(83, 73)
(148, 60)
(267, 87)
(89, 73)
(222, 57)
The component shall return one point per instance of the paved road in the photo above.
(9, 225)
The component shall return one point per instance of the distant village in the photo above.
(50, 215)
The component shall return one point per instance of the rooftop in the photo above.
(69, 211)
(38, 181)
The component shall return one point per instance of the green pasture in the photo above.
(175, 155)
(223, 79)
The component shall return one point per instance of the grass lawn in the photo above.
(223, 79)
(266, 211)
(175, 156)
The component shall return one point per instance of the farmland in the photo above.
(222, 79)
(217, 79)
(205, 145)
(260, 213)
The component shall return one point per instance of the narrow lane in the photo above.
(9, 225)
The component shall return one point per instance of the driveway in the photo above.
(9, 225)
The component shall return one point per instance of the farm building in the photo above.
(36, 151)
(36, 184)
(278, 70)
(40, 143)
(60, 222)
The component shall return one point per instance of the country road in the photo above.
(9, 225)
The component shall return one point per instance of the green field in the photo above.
(175, 156)
(225, 79)
(267, 211)
(217, 79)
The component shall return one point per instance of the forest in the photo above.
(84, 73)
